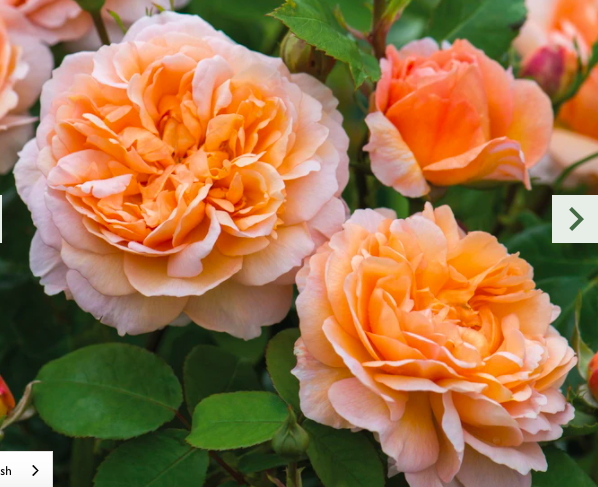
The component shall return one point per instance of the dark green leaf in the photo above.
(550, 260)
(161, 459)
(341, 457)
(251, 351)
(562, 471)
(211, 370)
(111, 391)
(258, 462)
(487, 204)
(315, 23)
(489, 25)
(236, 420)
(280, 359)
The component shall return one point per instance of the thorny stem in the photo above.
(233, 473)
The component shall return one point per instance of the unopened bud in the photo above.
(7, 401)
(593, 376)
(300, 57)
(553, 67)
(290, 440)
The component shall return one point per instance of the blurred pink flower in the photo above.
(178, 173)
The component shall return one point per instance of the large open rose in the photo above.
(453, 116)
(439, 343)
(180, 173)
(26, 64)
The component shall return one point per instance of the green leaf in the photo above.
(562, 470)
(551, 260)
(236, 420)
(211, 370)
(563, 292)
(111, 391)
(582, 424)
(315, 23)
(489, 25)
(161, 459)
(584, 353)
(341, 457)
(258, 462)
(280, 360)
(251, 351)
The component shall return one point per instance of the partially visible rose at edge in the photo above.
(56, 21)
(553, 23)
(452, 115)
(7, 401)
(26, 64)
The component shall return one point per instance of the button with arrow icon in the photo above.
(575, 219)
(26, 468)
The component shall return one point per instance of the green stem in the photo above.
(559, 182)
(379, 30)
(98, 21)
(83, 462)
(293, 476)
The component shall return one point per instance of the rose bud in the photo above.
(553, 67)
(7, 401)
(290, 440)
(300, 57)
(593, 376)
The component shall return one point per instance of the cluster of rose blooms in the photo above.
(177, 176)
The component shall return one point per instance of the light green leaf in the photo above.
(280, 359)
(341, 457)
(562, 470)
(161, 459)
(489, 25)
(211, 370)
(111, 391)
(582, 424)
(315, 23)
(236, 420)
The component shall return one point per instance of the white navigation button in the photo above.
(575, 219)
(26, 469)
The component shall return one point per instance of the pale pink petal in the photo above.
(46, 263)
(239, 310)
(479, 470)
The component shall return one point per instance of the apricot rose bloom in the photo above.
(576, 132)
(56, 21)
(25, 64)
(453, 116)
(436, 341)
(178, 173)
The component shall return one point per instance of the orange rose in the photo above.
(179, 174)
(7, 401)
(453, 116)
(439, 343)
(565, 23)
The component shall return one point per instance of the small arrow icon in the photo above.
(36, 470)
(579, 219)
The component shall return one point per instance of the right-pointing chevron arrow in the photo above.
(579, 219)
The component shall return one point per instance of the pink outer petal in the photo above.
(286, 251)
(133, 314)
(533, 119)
(132, 10)
(26, 171)
(315, 381)
(14, 132)
(478, 470)
(46, 263)
(566, 148)
(328, 221)
(393, 163)
(429, 478)
(240, 310)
